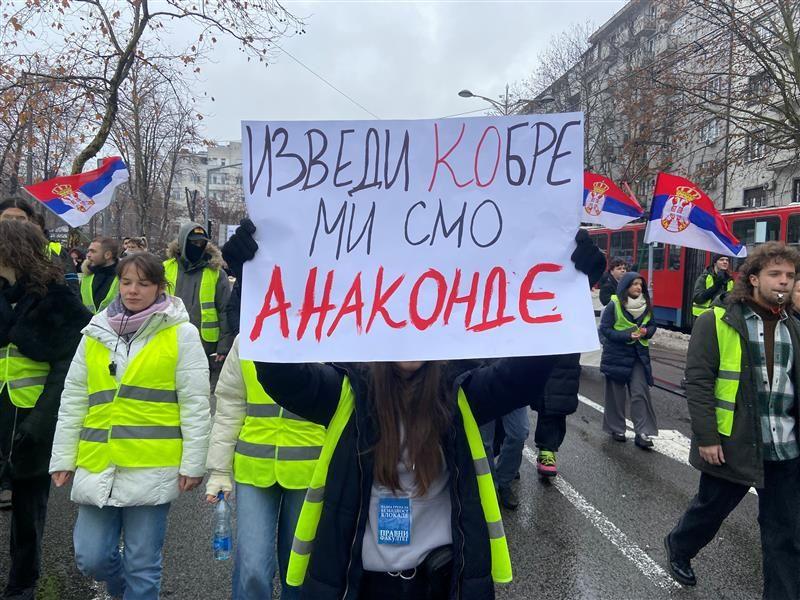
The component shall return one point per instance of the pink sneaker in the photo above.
(546, 464)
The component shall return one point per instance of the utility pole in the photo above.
(29, 157)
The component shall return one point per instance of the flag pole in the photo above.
(630, 193)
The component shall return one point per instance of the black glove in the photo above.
(240, 248)
(588, 258)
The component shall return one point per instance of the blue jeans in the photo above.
(260, 514)
(517, 427)
(134, 574)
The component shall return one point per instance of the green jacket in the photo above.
(744, 462)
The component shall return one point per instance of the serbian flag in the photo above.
(683, 215)
(605, 204)
(75, 198)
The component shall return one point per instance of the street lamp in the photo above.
(506, 108)
(208, 184)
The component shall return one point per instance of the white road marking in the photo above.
(100, 589)
(669, 442)
(648, 567)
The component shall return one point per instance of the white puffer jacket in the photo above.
(231, 395)
(118, 486)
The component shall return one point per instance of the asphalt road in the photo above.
(596, 532)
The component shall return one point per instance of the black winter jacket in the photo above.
(48, 330)
(701, 294)
(608, 287)
(744, 461)
(313, 390)
(619, 355)
(561, 391)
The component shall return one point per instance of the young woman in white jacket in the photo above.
(132, 429)
(271, 454)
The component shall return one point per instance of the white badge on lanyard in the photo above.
(394, 521)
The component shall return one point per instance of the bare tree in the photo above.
(92, 45)
(746, 70)
(41, 127)
(155, 120)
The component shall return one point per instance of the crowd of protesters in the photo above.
(356, 481)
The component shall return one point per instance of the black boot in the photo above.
(508, 498)
(681, 568)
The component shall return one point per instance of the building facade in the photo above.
(665, 88)
(215, 174)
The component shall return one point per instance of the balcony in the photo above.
(665, 43)
(644, 25)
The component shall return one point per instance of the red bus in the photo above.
(675, 268)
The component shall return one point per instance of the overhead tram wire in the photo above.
(696, 47)
(326, 82)
(469, 112)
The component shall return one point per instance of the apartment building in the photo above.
(665, 89)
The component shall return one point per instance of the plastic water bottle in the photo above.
(222, 529)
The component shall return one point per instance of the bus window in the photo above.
(793, 231)
(658, 253)
(600, 240)
(754, 232)
(622, 246)
(674, 260)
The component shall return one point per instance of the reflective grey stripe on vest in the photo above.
(495, 529)
(210, 325)
(101, 397)
(732, 375)
(147, 394)
(90, 434)
(207, 305)
(285, 452)
(271, 410)
(315, 495)
(15, 353)
(146, 432)
(27, 382)
(255, 450)
(301, 547)
(482, 466)
(263, 410)
(299, 452)
(724, 404)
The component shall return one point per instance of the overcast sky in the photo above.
(399, 59)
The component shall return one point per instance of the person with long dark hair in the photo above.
(626, 327)
(40, 324)
(17, 209)
(133, 428)
(402, 503)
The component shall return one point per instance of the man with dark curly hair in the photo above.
(742, 373)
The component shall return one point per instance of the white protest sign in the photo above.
(414, 240)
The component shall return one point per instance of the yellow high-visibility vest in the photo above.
(53, 248)
(622, 323)
(209, 318)
(22, 377)
(726, 385)
(88, 298)
(275, 445)
(135, 423)
(310, 514)
(698, 308)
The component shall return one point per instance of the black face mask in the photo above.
(194, 253)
